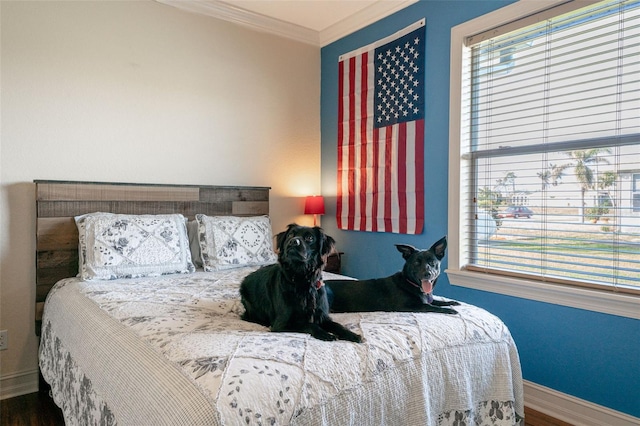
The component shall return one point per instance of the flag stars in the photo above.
(398, 73)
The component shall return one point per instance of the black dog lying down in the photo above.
(410, 290)
(290, 295)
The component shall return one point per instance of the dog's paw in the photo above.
(439, 310)
(360, 339)
(323, 335)
(353, 337)
(445, 303)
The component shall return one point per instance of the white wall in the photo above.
(137, 91)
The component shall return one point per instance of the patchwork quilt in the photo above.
(173, 350)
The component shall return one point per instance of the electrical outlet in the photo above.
(4, 343)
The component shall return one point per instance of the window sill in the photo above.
(593, 300)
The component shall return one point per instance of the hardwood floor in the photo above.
(34, 409)
(536, 418)
(38, 409)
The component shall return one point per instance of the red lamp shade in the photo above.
(314, 205)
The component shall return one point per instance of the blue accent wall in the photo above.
(592, 356)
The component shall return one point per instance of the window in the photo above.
(545, 152)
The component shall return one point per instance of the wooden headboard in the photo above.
(57, 202)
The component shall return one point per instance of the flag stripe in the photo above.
(375, 177)
(364, 113)
(402, 178)
(340, 146)
(352, 130)
(388, 176)
(419, 171)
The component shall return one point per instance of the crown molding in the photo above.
(256, 21)
(228, 12)
(361, 19)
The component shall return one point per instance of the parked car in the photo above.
(516, 212)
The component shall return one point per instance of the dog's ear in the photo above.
(328, 243)
(439, 247)
(282, 236)
(406, 250)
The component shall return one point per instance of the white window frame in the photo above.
(620, 304)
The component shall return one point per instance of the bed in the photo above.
(144, 346)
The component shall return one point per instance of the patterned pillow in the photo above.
(231, 242)
(115, 246)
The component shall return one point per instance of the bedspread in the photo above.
(173, 350)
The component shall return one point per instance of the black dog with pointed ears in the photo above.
(290, 295)
(410, 290)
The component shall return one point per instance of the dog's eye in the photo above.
(309, 238)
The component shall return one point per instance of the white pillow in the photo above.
(231, 242)
(113, 246)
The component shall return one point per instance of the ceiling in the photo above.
(316, 22)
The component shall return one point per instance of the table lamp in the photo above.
(314, 204)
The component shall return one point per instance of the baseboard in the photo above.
(21, 383)
(573, 410)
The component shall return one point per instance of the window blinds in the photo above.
(551, 126)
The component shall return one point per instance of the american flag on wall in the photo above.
(381, 135)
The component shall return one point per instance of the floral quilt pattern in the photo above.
(437, 369)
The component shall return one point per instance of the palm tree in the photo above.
(545, 176)
(552, 175)
(556, 173)
(509, 179)
(581, 160)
